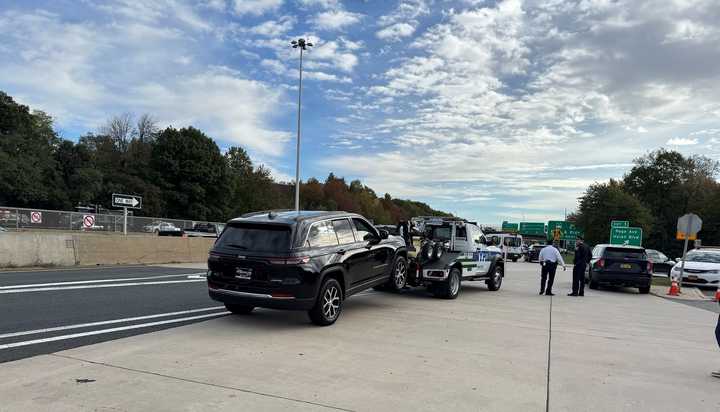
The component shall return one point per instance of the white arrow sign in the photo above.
(131, 201)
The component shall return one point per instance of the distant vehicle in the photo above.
(2, 229)
(205, 230)
(307, 260)
(702, 267)
(661, 263)
(618, 265)
(159, 226)
(508, 242)
(533, 254)
(391, 229)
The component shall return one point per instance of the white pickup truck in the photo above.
(444, 252)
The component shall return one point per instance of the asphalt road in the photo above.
(47, 311)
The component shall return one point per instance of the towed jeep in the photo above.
(444, 252)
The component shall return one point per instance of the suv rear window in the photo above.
(623, 253)
(255, 238)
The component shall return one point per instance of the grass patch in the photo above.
(661, 281)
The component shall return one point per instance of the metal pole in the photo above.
(682, 264)
(125, 221)
(297, 153)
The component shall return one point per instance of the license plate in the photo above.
(626, 266)
(692, 277)
(241, 273)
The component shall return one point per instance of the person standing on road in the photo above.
(717, 338)
(582, 259)
(549, 258)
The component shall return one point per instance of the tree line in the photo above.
(181, 173)
(661, 186)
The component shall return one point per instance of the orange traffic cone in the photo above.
(674, 289)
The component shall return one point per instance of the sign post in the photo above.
(126, 202)
(687, 227)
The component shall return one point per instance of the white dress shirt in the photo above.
(550, 254)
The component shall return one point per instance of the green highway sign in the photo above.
(509, 227)
(565, 230)
(620, 223)
(626, 236)
(532, 229)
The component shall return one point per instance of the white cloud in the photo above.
(336, 19)
(396, 31)
(682, 141)
(274, 27)
(256, 7)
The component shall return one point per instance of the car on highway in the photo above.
(702, 267)
(307, 260)
(661, 263)
(160, 226)
(533, 254)
(619, 265)
(204, 230)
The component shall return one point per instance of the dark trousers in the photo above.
(578, 285)
(547, 274)
(717, 332)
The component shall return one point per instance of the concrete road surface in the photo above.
(512, 350)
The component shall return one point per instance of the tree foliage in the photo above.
(181, 173)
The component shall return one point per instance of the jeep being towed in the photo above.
(448, 251)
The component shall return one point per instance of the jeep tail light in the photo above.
(601, 263)
(650, 267)
(290, 260)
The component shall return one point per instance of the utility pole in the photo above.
(302, 45)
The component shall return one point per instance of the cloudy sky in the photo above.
(492, 110)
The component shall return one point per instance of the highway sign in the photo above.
(127, 201)
(631, 236)
(619, 223)
(688, 226)
(88, 221)
(509, 227)
(35, 217)
(562, 230)
(532, 229)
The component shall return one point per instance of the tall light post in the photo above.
(302, 45)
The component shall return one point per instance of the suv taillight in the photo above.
(601, 263)
(649, 267)
(290, 260)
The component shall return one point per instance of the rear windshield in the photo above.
(255, 238)
(709, 257)
(440, 232)
(512, 241)
(621, 253)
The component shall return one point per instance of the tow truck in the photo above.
(443, 252)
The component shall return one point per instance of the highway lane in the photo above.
(51, 310)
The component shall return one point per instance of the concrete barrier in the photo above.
(41, 249)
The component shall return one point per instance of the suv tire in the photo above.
(644, 290)
(398, 278)
(328, 305)
(239, 309)
(496, 279)
(449, 289)
(593, 284)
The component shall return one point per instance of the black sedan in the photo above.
(661, 263)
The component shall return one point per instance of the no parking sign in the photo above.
(88, 221)
(36, 217)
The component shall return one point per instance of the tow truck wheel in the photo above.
(398, 279)
(450, 289)
(496, 279)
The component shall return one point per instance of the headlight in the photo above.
(676, 269)
(713, 272)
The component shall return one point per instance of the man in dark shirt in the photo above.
(582, 258)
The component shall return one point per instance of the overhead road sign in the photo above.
(126, 201)
(619, 223)
(631, 236)
(562, 230)
(532, 229)
(509, 227)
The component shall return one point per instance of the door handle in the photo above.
(341, 252)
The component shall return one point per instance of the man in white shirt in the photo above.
(549, 258)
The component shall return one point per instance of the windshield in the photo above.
(709, 257)
(512, 241)
(256, 238)
(440, 232)
(622, 253)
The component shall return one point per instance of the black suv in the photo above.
(620, 265)
(303, 260)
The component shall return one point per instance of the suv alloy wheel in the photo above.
(328, 305)
(399, 274)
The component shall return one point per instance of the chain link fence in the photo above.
(19, 219)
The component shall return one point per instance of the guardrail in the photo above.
(23, 219)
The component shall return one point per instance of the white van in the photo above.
(509, 243)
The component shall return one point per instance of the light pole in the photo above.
(302, 45)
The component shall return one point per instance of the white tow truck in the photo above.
(444, 252)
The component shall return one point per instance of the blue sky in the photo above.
(493, 110)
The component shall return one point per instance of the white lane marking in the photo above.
(108, 322)
(202, 275)
(110, 330)
(81, 282)
(112, 285)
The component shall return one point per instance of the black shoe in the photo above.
(572, 294)
(542, 292)
(581, 294)
(549, 294)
